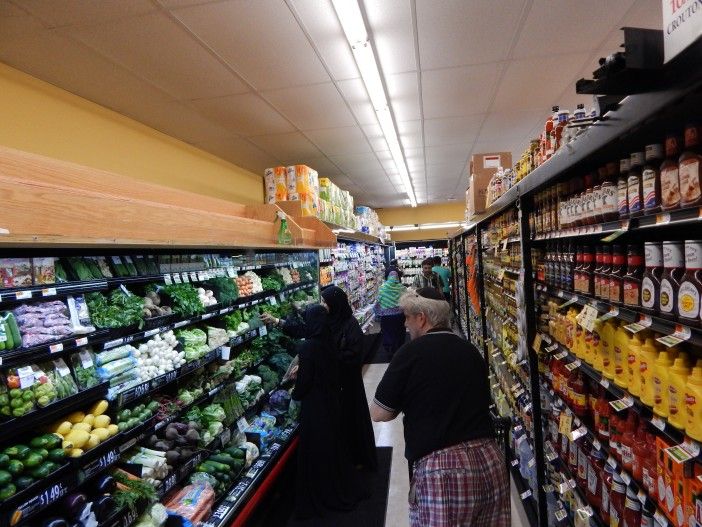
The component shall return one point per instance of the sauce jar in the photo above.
(598, 272)
(651, 280)
(632, 509)
(617, 497)
(632, 279)
(651, 180)
(635, 185)
(673, 271)
(605, 271)
(688, 305)
(623, 188)
(594, 479)
(616, 275)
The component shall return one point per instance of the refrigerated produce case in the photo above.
(582, 359)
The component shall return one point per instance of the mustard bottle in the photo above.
(693, 404)
(634, 364)
(596, 353)
(660, 383)
(607, 348)
(571, 323)
(647, 358)
(677, 379)
(621, 354)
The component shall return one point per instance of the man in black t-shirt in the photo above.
(440, 384)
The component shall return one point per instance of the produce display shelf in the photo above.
(630, 314)
(666, 430)
(636, 487)
(51, 350)
(49, 414)
(49, 291)
(525, 493)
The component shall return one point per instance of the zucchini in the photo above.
(23, 482)
(57, 455)
(14, 328)
(17, 451)
(41, 471)
(223, 458)
(236, 453)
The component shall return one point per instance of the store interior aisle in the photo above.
(390, 434)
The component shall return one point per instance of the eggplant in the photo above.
(106, 484)
(103, 507)
(55, 522)
(73, 504)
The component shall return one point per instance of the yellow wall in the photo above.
(38, 117)
(443, 212)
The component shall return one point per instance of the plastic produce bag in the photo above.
(80, 316)
(114, 368)
(85, 368)
(106, 357)
(193, 503)
(60, 376)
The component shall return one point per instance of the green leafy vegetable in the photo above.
(119, 311)
(184, 299)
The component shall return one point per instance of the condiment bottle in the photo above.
(648, 357)
(588, 268)
(640, 451)
(577, 394)
(615, 445)
(598, 273)
(603, 411)
(688, 306)
(617, 497)
(670, 181)
(635, 185)
(607, 348)
(673, 271)
(677, 381)
(649, 475)
(594, 479)
(634, 365)
(689, 168)
(607, 476)
(608, 193)
(632, 279)
(605, 271)
(596, 351)
(578, 268)
(616, 275)
(627, 441)
(660, 384)
(583, 463)
(651, 281)
(651, 179)
(693, 404)
(621, 356)
(623, 188)
(632, 509)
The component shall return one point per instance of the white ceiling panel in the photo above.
(511, 125)
(415, 158)
(447, 154)
(242, 153)
(322, 24)
(522, 86)
(391, 28)
(403, 91)
(457, 92)
(84, 12)
(375, 135)
(357, 162)
(158, 49)
(410, 134)
(585, 35)
(336, 141)
(354, 92)
(245, 114)
(292, 149)
(312, 107)
(452, 130)
(260, 39)
(323, 166)
(460, 32)
(438, 174)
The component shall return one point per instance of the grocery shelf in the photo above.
(526, 494)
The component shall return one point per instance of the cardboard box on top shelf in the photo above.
(485, 165)
(475, 195)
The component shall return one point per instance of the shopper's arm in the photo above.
(389, 396)
(380, 414)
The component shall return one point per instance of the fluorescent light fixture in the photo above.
(401, 228)
(351, 19)
(342, 231)
(447, 225)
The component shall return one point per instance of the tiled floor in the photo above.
(390, 434)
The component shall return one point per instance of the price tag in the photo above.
(679, 453)
(112, 344)
(552, 348)
(167, 278)
(81, 341)
(622, 404)
(681, 334)
(225, 437)
(107, 459)
(273, 301)
(587, 317)
(596, 444)
(514, 462)
(570, 302)
(526, 494)
(577, 434)
(662, 219)
(23, 295)
(206, 316)
(194, 277)
(46, 498)
(262, 331)
(181, 323)
(561, 514)
(55, 348)
(604, 383)
(660, 518)
(231, 273)
(151, 332)
(500, 274)
(168, 484)
(537, 343)
(616, 234)
(693, 447)
(658, 423)
(186, 278)
(49, 291)
(177, 279)
(531, 462)
(129, 444)
(613, 312)
(551, 456)
(225, 352)
(573, 365)
(562, 355)
(565, 423)
(642, 496)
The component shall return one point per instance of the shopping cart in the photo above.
(502, 427)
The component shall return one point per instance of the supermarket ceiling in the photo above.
(268, 82)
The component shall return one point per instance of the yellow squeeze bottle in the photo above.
(677, 379)
(621, 353)
(634, 365)
(647, 357)
(596, 354)
(571, 323)
(693, 404)
(607, 348)
(660, 384)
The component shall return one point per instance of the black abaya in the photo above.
(325, 477)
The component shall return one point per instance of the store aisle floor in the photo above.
(390, 434)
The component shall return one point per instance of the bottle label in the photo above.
(670, 187)
(605, 496)
(618, 360)
(653, 254)
(608, 195)
(634, 190)
(647, 480)
(613, 517)
(582, 465)
(631, 293)
(657, 390)
(673, 256)
(649, 188)
(579, 399)
(673, 400)
(648, 293)
(623, 197)
(637, 159)
(688, 301)
(666, 297)
(592, 480)
(689, 180)
(627, 455)
(615, 287)
(693, 255)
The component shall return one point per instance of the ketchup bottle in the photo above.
(617, 498)
(594, 479)
(578, 394)
(632, 509)
(640, 452)
(627, 441)
(614, 437)
(607, 475)
(604, 412)
(583, 463)
(649, 475)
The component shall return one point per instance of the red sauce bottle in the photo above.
(627, 442)
(616, 276)
(594, 479)
(604, 413)
(617, 497)
(670, 181)
(598, 272)
(649, 474)
(578, 394)
(607, 476)
(606, 270)
(640, 452)
(632, 279)
(588, 270)
(578, 268)
(583, 463)
(614, 437)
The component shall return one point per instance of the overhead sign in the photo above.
(682, 25)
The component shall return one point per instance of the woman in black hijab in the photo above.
(325, 477)
(348, 338)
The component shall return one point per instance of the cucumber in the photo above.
(4, 460)
(218, 467)
(223, 458)
(33, 460)
(23, 482)
(17, 451)
(14, 328)
(236, 453)
(57, 455)
(15, 467)
(7, 492)
(41, 471)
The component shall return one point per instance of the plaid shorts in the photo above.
(463, 485)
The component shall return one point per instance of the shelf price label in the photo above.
(167, 279)
(681, 334)
(134, 393)
(622, 404)
(49, 291)
(587, 317)
(565, 423)
(644, 322)
(107, 459)
(177, 279)
(573, 365)
(537, 343)
(613, 312)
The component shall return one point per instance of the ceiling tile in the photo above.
(260, 39)
(322, 24)
(323, 166)
(354, 91)
(375, 135)
(455, 92)
(159, 50)
(552, 75)
(390, 25)
(312, 107)
(585, 35)
(242, 153)
(410, 134)
(357, 162)
(452, 130)
(403, 92)
(644, 13)
(511, 125)
(292, 148)
(447, 154)
(437, 174)
(458, 33)
(245, 114)
(85, 12)
(345, 140)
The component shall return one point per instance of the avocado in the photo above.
(23, 482)
(15, 467)
(5, 478)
